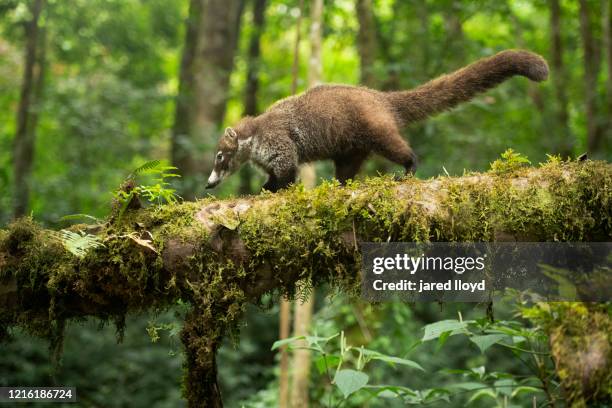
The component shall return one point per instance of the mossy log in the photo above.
(217, 255)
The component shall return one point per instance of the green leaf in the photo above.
(437, 329)
(489, 392)
(375, 355)
(505, 386)
(524, 389)
(288, 340)
(467, 386)
(327, 362)
(350, 381)
(486, 341)
(442, 340)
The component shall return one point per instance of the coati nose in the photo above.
(213, 180)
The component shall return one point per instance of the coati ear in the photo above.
(230, 132)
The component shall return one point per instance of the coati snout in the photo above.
(226, 162)
(347, 123)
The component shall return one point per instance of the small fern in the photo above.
(151, 166)
(510, 161)
(158, 192)
(77, 243)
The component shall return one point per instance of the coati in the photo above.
(347, 123)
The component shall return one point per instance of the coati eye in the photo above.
(219, 156)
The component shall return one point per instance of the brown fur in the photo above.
(347, 123)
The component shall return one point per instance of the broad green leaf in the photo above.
(489, 392)
(397, 360)
(327, 362)
(486, 341)
(437, 329)
(375, 355)
(442, 340)
(505, 386)
(524, 389)
(350, 381)
(391, 391)
(467, 386)
(283, 342)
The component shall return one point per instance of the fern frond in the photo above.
(77, 243)
(152, 166)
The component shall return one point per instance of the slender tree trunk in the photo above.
(25, 134)
(367, 43)
(285, 305)
(591, 69)
(308, 174)
(454, 32)
(208, 58)
(252, 81)
(182, 141)
(559, 78)
(284, 330)
(607, 46)
(301, 357)
(303, 310)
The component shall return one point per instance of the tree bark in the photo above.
(559, 78)
(217, 255)
(591, 69)
(208, 59)
(252, 82)
(301, 357)
(31, 87)
(367, 43)
(303, 310)
(607, 46)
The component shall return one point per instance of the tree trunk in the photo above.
(607, 46)
(31, 87)
(252, 82)
(367, 43)
(208, 57)
(454, 33)
(559, 77)
(284, 330)
(308, 174)
(218, 255)
(591, 69)
(301, 357)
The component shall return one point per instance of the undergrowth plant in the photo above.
(157, 192)
(346, 368)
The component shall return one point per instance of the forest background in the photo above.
(91, 89)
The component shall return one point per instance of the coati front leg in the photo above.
(347, 165)
(282, 169)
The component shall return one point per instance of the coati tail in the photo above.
(462, 85)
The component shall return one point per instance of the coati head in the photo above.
(231, 154)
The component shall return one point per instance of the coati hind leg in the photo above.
(394, 148)
(348, 165)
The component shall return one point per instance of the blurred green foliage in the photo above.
(108, 106)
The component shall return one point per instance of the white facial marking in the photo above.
(214, 177)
